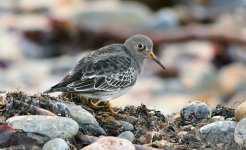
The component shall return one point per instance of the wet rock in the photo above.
(216, 118)
(240, 111)
(128, 135)
(240, 133)
(128, 126)
(93, 129)
(56, 144)
(110, 143)
(196, 110)
(51, 126)
(220, 132)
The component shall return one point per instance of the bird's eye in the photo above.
(141, 47)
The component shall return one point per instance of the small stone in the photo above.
(181, 134)
(131, 119)
(216, 118)
(144, 147)
(219, 132)
(240, 111)
(196, 110)
(93, 129)
(128, 126)
(56, 144)
(51, 126)
(127, 135)
(163, 144)
(230, 119)
(85, 139)
(110, 143)
(240, 133)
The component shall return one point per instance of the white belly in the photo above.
(105, 96)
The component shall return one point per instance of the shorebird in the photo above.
(108, 72)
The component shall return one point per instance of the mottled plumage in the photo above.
(108, 72)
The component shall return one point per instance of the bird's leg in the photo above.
(113, 113)
(93, 105)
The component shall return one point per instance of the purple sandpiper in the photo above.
(108, 72)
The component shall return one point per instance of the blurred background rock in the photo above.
(201, 42)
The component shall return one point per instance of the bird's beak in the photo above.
(153, 57)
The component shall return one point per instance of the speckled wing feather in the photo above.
(103, 70)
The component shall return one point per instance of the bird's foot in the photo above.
(112, 112)
(94, 105)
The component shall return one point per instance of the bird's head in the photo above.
(141, 47)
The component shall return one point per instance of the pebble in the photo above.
(216, 118)
(131, 119)
(107, 143)
(56, 144)
(85, 139)
(240, 133)
(219, 132)
(93, 129)
(128, 126)
(181, 134)
(144, 147)
(51, 126)
(240, 111)
(196, 110)
(163, 144)
(127, 135)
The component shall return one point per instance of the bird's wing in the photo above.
(105, 74)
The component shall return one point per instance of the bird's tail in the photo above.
(49, 91)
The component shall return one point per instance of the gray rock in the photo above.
(196, 110)
(240, 133)
(216, 118)
(78, 114)
(93, 129)
(220, 132)
(56, 144)
(128, 126)
(110, 143)
(51, 126)
(131, 119)
(127, 135)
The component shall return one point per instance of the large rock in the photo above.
(56, 144)
(220, 132)
(51, 126)
(108, 143)
(240, 133)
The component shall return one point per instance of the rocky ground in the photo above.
(65, 122)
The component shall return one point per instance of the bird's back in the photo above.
(108, 69)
